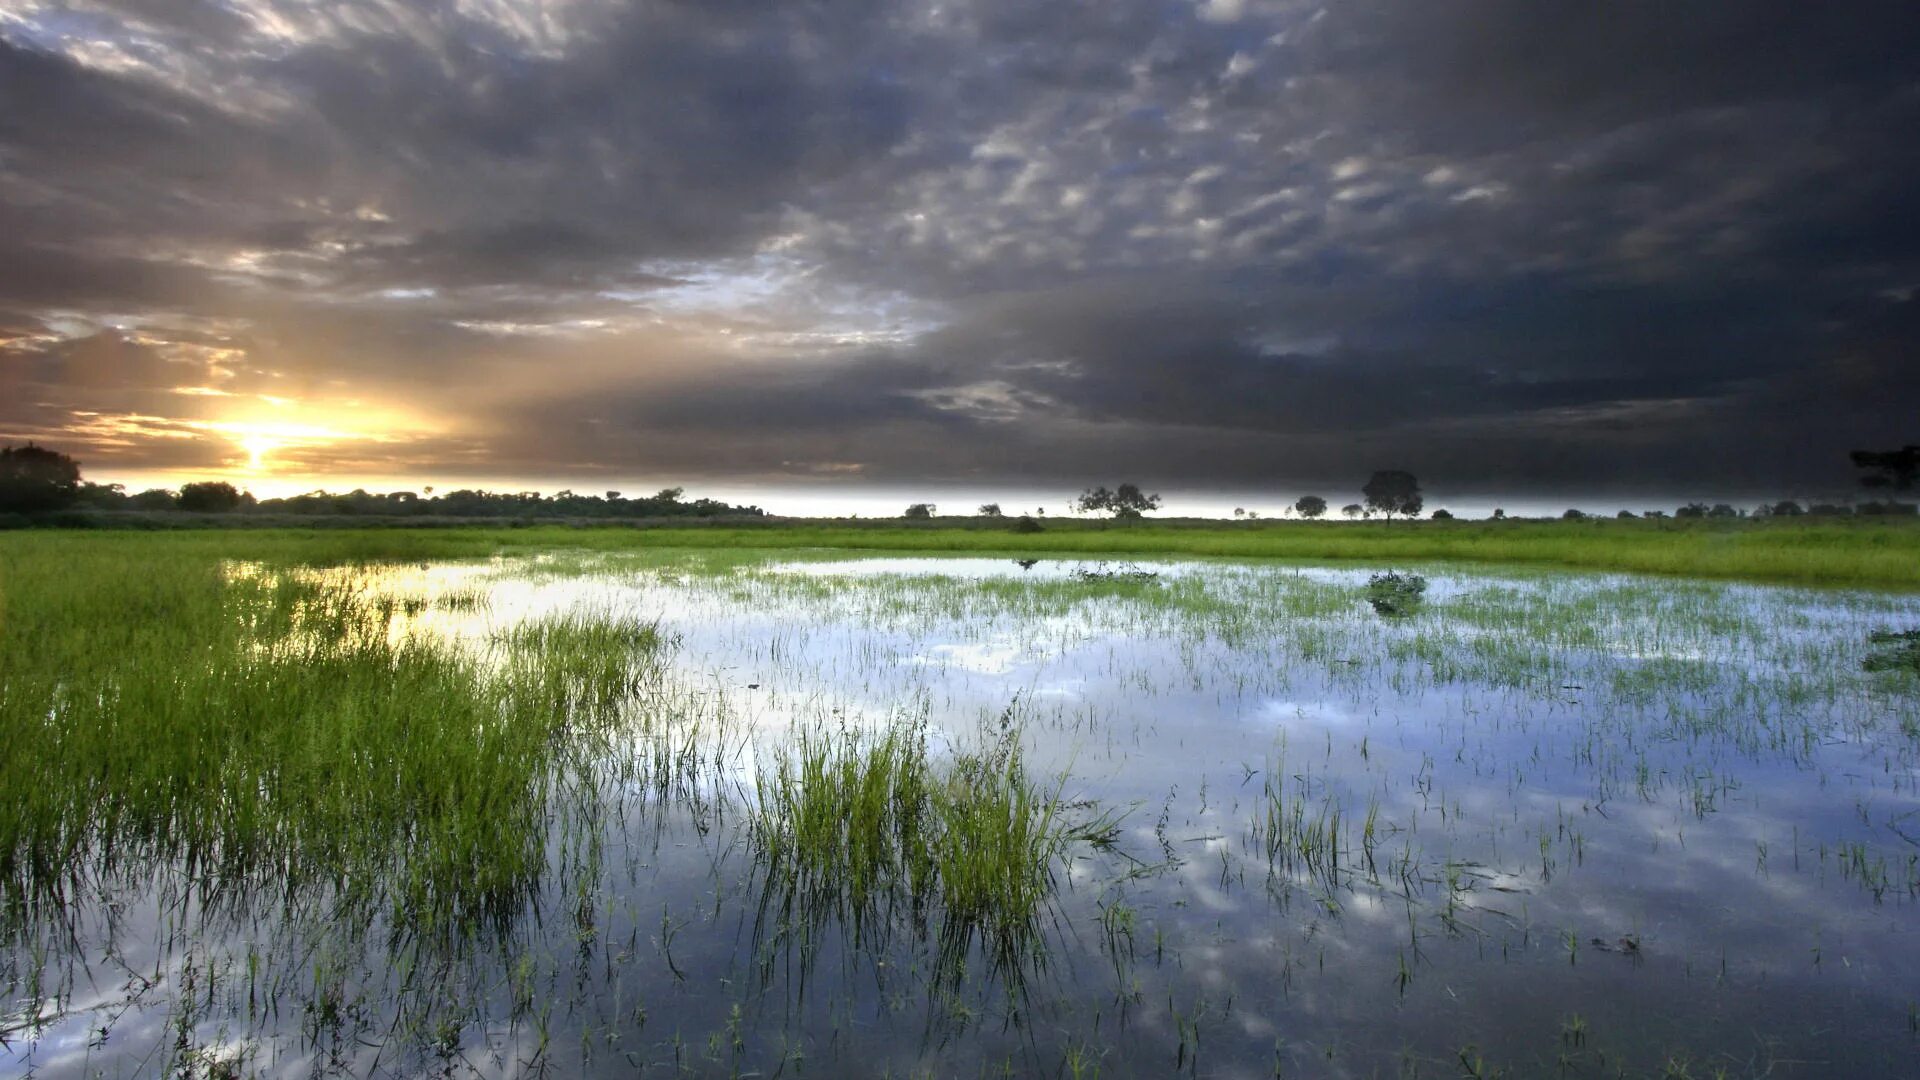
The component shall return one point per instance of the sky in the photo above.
(1233, 249)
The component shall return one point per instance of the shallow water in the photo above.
(1576, 824)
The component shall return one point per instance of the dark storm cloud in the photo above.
(1492, 240)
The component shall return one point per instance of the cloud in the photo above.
(1202, 243)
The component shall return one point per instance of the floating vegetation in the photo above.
(1893, 650)
(1394, 593)
(1126, 573)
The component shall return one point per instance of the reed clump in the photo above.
(868, 832)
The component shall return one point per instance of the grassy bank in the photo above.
(1881, 553)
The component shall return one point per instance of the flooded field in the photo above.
(740, 814)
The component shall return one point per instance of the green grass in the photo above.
(256, 727)
(1880, 553)
(868, 832)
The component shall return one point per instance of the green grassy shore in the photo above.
(1878, 553)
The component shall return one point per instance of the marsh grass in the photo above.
(252, 729)
(867, 831)
(1883, 553)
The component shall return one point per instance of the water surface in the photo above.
(1550, 823)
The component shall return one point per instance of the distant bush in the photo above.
(213, 497)
(1025, 524)
(1442, 515)
(1574, 515)
(1394, 593)
(919, 512)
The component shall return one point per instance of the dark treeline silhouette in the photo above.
(670, 502)
(462, 503)
(34, 479)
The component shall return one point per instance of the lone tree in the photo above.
(919, 511)
(989, 510)
(1351, 511)
(1391, 492)
(1127, 501)
(212, 497)
(1896, 469)
(34, 478)
(1310, 506)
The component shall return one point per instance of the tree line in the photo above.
(1394, 493)
(34, 479)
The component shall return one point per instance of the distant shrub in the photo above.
(919, 512)
(1442, 515)
(213, 497)
(1574, 515)
(1394, 593)
(1025, 524)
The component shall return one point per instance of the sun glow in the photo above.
(266, 441)
(257, 448)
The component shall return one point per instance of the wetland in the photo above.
(315, 805)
